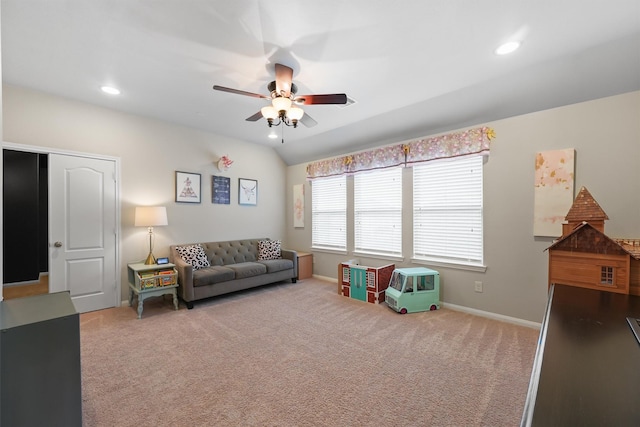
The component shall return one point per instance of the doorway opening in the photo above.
(25, 223)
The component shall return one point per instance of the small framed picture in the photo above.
(161, 261)
(247, 192)
(221, 190)
(187, 187)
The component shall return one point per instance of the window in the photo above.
(425, 283)
(329, 213)
(378, 212)
(396, 281)
(408, 287)
(606, 275)
(447, 211)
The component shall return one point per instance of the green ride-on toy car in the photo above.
(413, 289)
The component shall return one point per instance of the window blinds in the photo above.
(378, 212)
(329, 213)
(447, 211)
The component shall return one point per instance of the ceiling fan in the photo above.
(284, 101)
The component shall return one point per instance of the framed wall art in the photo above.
(187, 187)
(298, 206)
(220, 190)
(247, 192)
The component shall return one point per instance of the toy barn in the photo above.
(584, 256)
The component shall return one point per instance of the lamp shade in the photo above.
(269, 112)
(151, 216)
(281, 103)
(295, 113)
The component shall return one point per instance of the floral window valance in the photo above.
(473, 141)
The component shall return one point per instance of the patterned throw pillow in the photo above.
(269, 249)
(194, 255)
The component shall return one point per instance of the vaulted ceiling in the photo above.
(413, 68)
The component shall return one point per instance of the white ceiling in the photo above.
(414, 68)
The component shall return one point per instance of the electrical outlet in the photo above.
(478, 286)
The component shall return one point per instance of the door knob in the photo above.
(57, 244)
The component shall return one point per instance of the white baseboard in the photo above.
(27, 282)
(328, 279)
(494, 316)
(476, 312)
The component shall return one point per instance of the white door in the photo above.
(82, 230)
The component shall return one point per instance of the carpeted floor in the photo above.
(301, 355)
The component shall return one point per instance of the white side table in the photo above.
(139, 285)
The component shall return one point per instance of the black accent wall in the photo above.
(25, 215)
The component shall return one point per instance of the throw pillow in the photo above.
(269, 249)
(194, 255)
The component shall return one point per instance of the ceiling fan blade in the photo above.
(239, 92)
(308, 121)
(335, 98)
(284, 77)
(257, 116)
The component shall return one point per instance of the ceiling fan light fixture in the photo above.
(295, 113)
(282, 94)
(269, 112)
(281, 103)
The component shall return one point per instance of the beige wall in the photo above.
(150, 152)
(606, 136)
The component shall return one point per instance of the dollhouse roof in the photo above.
(585, 238)
(630, 245)
(585, 208)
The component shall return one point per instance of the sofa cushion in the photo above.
(212, 275)
(194, 255)
(247, 269)
(274, 265)
(231, 252)
(269, 249)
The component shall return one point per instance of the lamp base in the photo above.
(150, 259)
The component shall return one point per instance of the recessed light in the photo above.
(507, 48)
(110, 90)
(273, 135)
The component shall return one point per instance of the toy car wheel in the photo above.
(433, 307)
(403, 311)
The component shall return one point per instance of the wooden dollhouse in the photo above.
(364, 283)
(586, 257)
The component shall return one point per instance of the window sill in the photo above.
(397, 258)
(455, 265)
(329, 250)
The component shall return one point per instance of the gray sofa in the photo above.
(234, 266)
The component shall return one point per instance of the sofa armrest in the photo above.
(185, 275)
(293, 256)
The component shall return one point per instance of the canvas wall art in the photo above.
(553, 191)
(298, 206)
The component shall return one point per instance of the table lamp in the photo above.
(150, 216)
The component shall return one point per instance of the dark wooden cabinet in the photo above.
(40, 378)
(587, 367)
